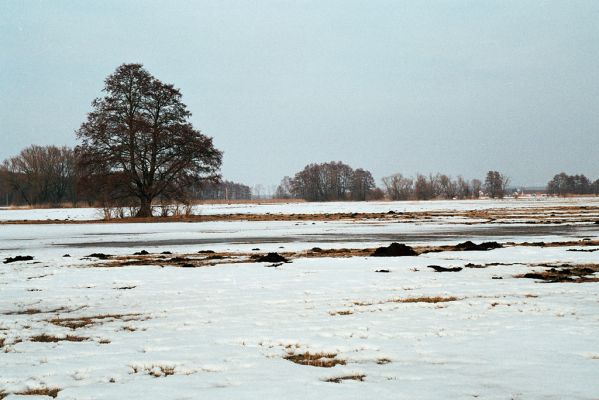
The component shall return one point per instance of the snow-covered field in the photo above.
(223, 332)
(16, 214)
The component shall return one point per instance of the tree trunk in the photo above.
(145, 208)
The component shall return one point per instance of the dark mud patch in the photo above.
(339, 379)
(394, 250)
(17, 259)
(471, 246)
(494, 264)
(272, 258)
(438, 268)
(100, 256)
(584, 250)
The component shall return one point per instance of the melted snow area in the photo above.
(322, 327)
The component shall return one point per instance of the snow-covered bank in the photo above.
(86, 214)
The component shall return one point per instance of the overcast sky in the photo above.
(391, 86)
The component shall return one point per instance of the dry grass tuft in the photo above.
(81, 322)
(579, 273)
(340, 379)
(157, 371)
(323, 360)
(52, 392)
(382, 361)
(435, 299)
(44, 338)
(32, 311)
(342, 312)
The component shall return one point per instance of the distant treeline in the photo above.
(336, 181)
(330, 181)
(563, 184)
(49, 176)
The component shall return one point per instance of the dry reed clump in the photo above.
(323, 360)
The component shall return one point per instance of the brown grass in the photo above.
(45, 338)
(435, 299)
(340, 379)
(577, 273)
(32, 311)
(2, 340)
(52, 392)
(81, 322)
(342, 312)
(323, 360)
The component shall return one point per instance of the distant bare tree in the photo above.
(496, 184)
(447, 188)
(140, 132)
(42, 174)
(362, 183)
(464, 189)
(284, 189)
(476, 186)
(398, 187)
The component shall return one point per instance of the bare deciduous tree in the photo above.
(140, 131)
(496, 184)
(42, 174)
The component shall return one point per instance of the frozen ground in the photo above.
(222, 332)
